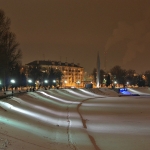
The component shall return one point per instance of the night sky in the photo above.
(76, 30)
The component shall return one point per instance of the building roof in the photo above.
(53, 63)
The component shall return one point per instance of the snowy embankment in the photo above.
(78, 119)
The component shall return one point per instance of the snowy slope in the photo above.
(75, 119)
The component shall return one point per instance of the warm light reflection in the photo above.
(39, 107)
(76, 93)
(19, 124)
(90, 93)
(137, 92)
(58, 99)
(36, 115)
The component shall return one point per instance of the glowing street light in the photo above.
(45, 84)
(65, 83)
(12, 81)
(127, 83)
(46, 81)
(78, 82)
(30, 81)
(115, 82)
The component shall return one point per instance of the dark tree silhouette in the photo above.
(131, 77)
(94, 75)
(141, 81)
(52, 76)
(16, 75)
(58, 75)
(35, 73)
(147, 75)
(120, 74)
(23, 80)
(108, 81)
(10, 54)
(102, 73)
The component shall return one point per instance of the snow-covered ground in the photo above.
(75, 119)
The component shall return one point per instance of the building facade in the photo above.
(72, 73)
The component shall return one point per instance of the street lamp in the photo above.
(54, 81)
(30, 82)
(78, 82)
(45, 84)
(65, 83)
(12, 81)
(115, 82)
(127, 83)
(45, 81)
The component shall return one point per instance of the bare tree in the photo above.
(147, 75)
(119, 74)
(10, 54)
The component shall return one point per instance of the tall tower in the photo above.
(98, 71)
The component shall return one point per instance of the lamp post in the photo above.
(127, 84)
(45, 84)
(115, 82)
(12, 81)
(54, 81)
(78, 82)
(45, 81)
(29, 83)
(65, 83)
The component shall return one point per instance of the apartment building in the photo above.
(72, 73)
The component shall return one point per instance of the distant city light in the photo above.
(115, 82)
(78, 82)
(30, 81)
(45, 81)
(12, 81)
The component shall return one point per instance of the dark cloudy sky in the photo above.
(76, 30)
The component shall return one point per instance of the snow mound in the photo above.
(2, 109)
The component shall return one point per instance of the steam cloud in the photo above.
(136, 36)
